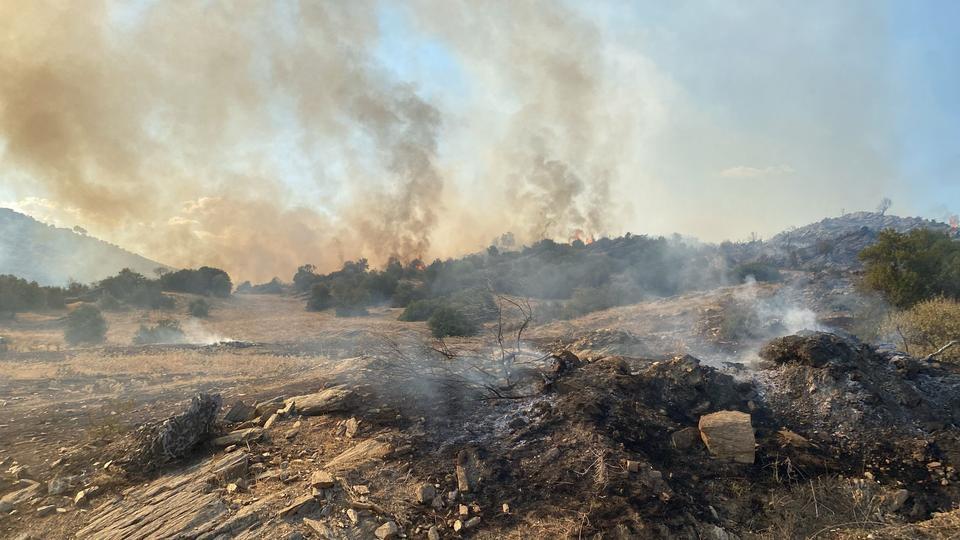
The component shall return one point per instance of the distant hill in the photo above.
(52, 255)
(835, 242)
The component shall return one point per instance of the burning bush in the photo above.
(85, 325)
(199, 308)
(910, 267)
(927, 326)
(448, 321)
(165, 331)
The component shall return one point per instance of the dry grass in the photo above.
(926, 327)
(824, 507)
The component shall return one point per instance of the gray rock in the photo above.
(468, 470)
(240, 412)
(425, 493)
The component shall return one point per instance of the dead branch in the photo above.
(930, 357)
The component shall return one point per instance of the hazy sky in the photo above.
(201, 132)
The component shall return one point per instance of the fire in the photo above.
(578, 234)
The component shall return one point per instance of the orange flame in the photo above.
(578, 234)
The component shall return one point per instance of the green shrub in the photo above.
(910, 267)
(419, 310)
(165, 331)
(85, 325)
(447, 321)
(926, 327)
(350, 299)
(199, 308)
(109, 302)
(320, 298)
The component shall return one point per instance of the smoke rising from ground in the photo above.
(260, 136)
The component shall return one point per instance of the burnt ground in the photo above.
(597, 443)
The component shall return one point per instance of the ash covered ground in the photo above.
(641, 421)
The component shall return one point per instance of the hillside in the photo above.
(52, 255)
(835, 242)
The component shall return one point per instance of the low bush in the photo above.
(420, 310)
(199, 308)
(926, 327)
(165, 331)
(448, 321)
(85, 325)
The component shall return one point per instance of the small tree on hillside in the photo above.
(447, 321)
(199, 308)
(85, 325)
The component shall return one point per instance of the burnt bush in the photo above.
(85, 325)
(447, 321)
(165, 331)
(199, 308)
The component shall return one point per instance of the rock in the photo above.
(710, 531)
(387, 530)
(271, 421)
(359, 454)
(11, 500)
(323, 402)
(463, 510)
(685, 439)
(240, 412)
(425, 493)
(505, 508)
(238, 436)
(729, 435)
(353, 515)
(302, 505)
(159, 443)
(895, 501)
(46, 510)
(433, 533)
(322, 480)
(60, 485)
(232, 489)
(19, 472)
(323, 530)
(83, 496)
(633, 466)
(468, 470)
(266, 408)
(352, 426)
(459, 525)
(231, 466)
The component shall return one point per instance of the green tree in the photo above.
(909, 267)
(85, 325)
(447, 321)
(199, 307)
